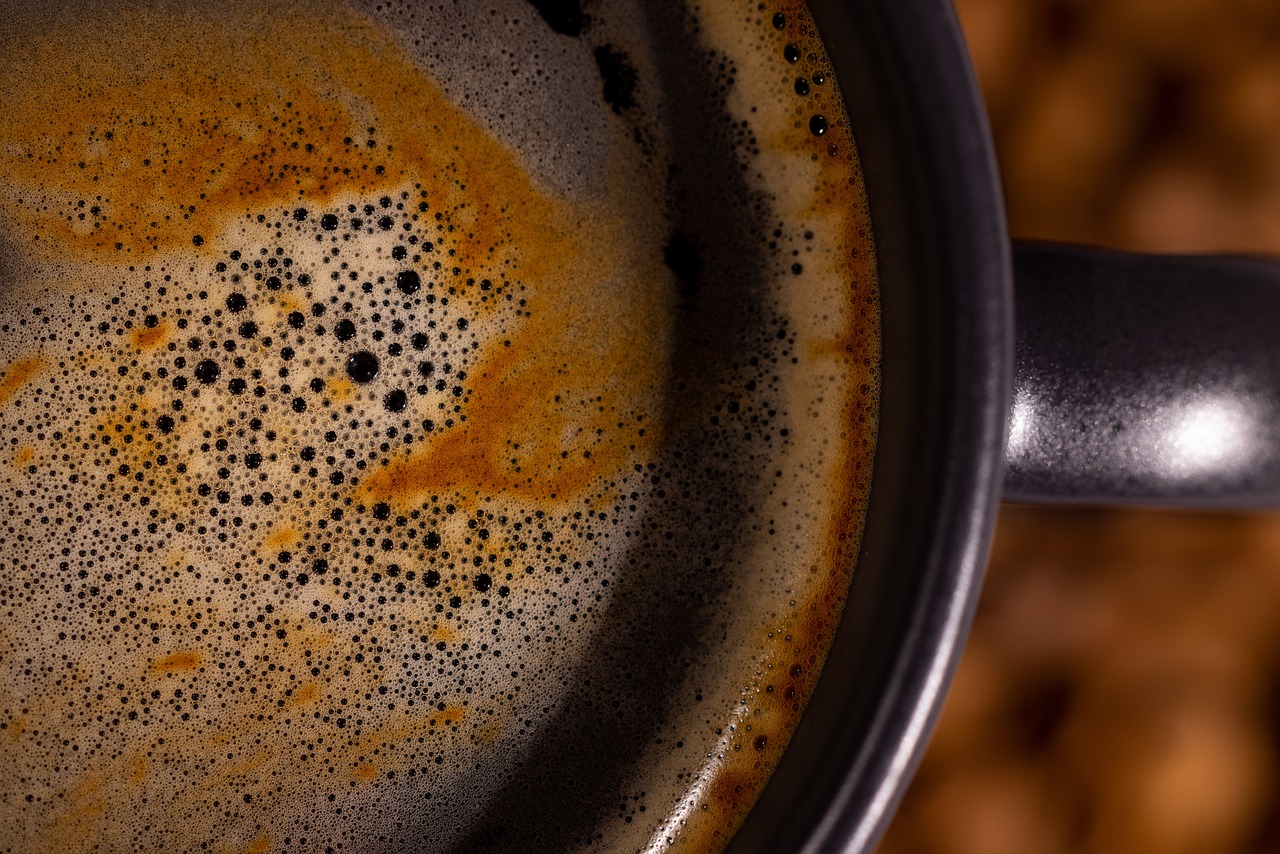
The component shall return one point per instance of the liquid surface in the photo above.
(429, 425)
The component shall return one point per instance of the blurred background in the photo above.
(1121, 691)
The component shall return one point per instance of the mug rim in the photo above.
(947, 318)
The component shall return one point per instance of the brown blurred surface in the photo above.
(1121, 691)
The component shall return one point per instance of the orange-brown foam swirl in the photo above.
(154, 139)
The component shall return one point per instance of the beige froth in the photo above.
(205, 681)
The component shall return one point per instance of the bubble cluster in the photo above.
(210, 568)
(358, 480)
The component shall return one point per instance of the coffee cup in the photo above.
(980, 396)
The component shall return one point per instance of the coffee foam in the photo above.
(279, 609)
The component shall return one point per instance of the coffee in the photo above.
(443, 428)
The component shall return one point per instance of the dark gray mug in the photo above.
(1103, 377)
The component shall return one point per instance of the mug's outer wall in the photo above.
(946, 297)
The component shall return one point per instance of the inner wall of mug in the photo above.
(946, 297)
(582, 762)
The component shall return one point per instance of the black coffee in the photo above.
(428, 427)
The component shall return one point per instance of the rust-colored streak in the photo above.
(24, 455)
(17, 375)
(261, 845)
(177, 662)
(729, 788)
(366, 772)
(490, 731)
(306, 695)
(837, 348)
(496, 451)
(450, 716)
(340, 388)
(248, 766)
(149, 337)
(281, 538)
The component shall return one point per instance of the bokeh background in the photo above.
(1121, 691)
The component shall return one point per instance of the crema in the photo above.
(430, 426)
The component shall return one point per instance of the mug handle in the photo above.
(1144, 379)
